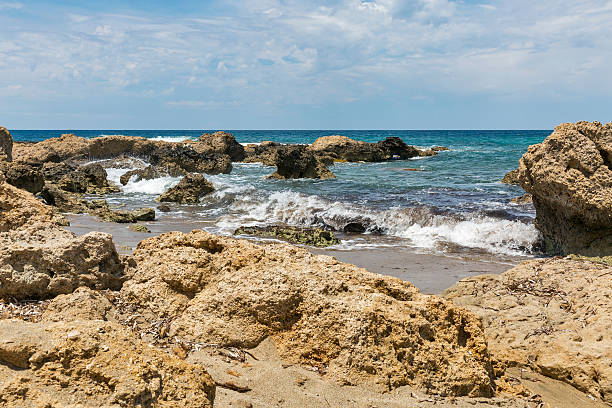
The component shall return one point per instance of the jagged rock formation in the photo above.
(298, 162)
(512, 177)
(354, 326)
(346, 149)
(570, 178)
(550, 315)
(6, 145)
(189, 190)
(296, 235)
(40, 260)
(89, 179)
(264, 153)
(93, 363)
(220, 143)
(23, 176)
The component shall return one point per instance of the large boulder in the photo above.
(38, 259)
(552, 316)
(23, 176)
(264, 153)
(353, 326)
(56, 149)
(569, 175)
(189, 190)
(296, 235)
(93, 364)
(346, 149)
(91, 179)
(220, 143)
(6, 145)
(299, 162)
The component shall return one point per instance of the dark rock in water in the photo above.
(139, 228)
(23, 176)
(264, 153)
(6, 145)
(189, 160)
(148, 173)
(512, 177)
(305, 236)
(87, 179)
(570, 177)
(189, 190)
(220, 143)
(355, 228)
(144, 214)
(342, 148)
(298, 162)
(164, 208)
(395, 147)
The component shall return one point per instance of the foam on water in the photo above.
(151, 187)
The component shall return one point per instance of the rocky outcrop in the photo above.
(264, 153)
(91, 179)
(298, 162)
(57, 149)
(220, 143)
(93, 363)
(6, 145)
(569, 175)
(353, 326)
(38, 259)
(23, 176)
(512, 177)
(189, 190)
(148, 173)
(550, 315)
(346, 149)
(296, 235)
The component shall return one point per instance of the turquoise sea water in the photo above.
(455, 204)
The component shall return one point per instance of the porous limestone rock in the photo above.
(19, 207)
(354, 326)
(56, 149)
(569, 175)
(221, 143)
(297, 235)
(347, 149)
(512, 177)
(298, 162)
(550, 315)
(264, 153)
(91, 179)
(189, 190)
(93, 364)
(6, 145)
(23, 176)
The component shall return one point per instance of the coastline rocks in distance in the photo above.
(298, 162)
(296, 235)
(6, 145)
(189, 190)
(93, 363)
(39, 260)
(550, 315)
(569, 175)
(221, 143)
(346, 149)
(354, 326)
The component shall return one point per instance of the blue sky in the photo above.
(293, 64)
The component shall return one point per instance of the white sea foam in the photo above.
(153, 187)
(172, 139)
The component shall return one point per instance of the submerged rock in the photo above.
(550, 315)
(93, 363)
(305, 236)
(354, 326)
(569, 175)
(189, 190)
(6, 145)
(298, 162)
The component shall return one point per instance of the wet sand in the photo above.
(429, 272)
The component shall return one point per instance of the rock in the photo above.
(6, 145)
(144, 214)
(23, 176)
(19, 208)
(220, 143)
(56, 149)
(355, 228)
(93, 363)
(177, 155)
(53, 172)
(82, 304)
(139, 228)
(189, 190)
(550, 315)
(164, 208)
(346, 149)
(91, 179)
(297, 162)
(264, 153)
(524, 199)
(148, 173)
(569, 175)
(305, 236)
(512, 177)
(351, 325)
(64, 201)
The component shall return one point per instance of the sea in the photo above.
(453, 204)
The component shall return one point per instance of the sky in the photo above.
(304, 64)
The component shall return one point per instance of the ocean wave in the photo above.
(151, 187)
(171, 139)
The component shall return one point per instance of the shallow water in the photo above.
(455, 205)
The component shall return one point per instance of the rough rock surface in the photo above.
(264, 153)
(353, 326)
(189, 190)
(512, 177)
(305, 236)
(23, 176)
(221, 143)
(344, 148)
(298, 162)
(91, 179)
(550, 315)
(93, 363)
(569, 175)
(57, 149)
(6, 145)
(39, 260)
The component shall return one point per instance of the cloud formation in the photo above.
(272, 54)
